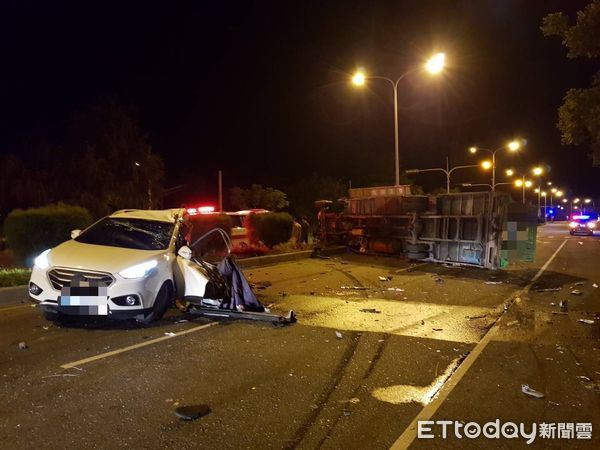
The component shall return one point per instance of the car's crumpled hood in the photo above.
(100, 258)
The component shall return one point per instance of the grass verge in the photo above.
(14, 277)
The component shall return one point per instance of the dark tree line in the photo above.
(104, 163)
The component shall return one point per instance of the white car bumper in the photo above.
(144, 290)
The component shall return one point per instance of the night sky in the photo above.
(261, 90)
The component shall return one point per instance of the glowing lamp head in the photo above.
(510, 173)
(559, 193)
(536, 190)
(528, 184)
(518, 183)
(513, 146)
(587, 200)
(553, 190)
(358, 79)
(565, 200)
(436, 63)
(473, 150)
(575, 200)
(537, 171)
(543, 193)
(486, 165)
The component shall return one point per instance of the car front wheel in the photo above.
(161, 304)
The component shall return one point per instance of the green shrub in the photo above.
(31, 231)
(270, 228)
(203, 223)
(14, 277)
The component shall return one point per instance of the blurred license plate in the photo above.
(84, 298)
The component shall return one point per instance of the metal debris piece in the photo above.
(586, 321)
(564, 306)
(531, 392)
(169, 333)
(339, 335)
(192, 412)
(493, 282)
(437, 329)
(22, 346)
(548, 290)
(438, 279)
(476, 317)
(512, 322)
(595, 285)
(550, 402)
(370, 310)
(579, 283)
(355, 288)
(560, 313)
(583, 377)
(576, 292)
(383, 279)
(395, 289)
(580, 243)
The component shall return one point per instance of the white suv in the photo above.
(123, 266)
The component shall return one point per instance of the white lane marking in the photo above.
(17, 307)
(135, 346)
(410, 433)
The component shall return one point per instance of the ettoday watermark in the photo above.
(431, 429)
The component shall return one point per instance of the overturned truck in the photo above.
(482, 229)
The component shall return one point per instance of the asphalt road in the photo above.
(430, 342)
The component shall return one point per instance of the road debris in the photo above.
(580, 243)
(437, 329)
(383, 278)
(579, 283)
(595, 285)
(576, 292)
(476, 317)
(339, 335)
(169, 333)
(583, 377)
(437, 279)
(22, 346)
(370, 310)
(60, 375)
(354, 288)
(192, 412)
(551, 403)
(493, 282)
(548, 290)
(560, 313)
(182, 321)
(395, 289)
(512, 322)
(564, 306)
(531, 392)
(586, 321)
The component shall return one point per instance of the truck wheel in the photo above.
(416, 256)
(416, 248)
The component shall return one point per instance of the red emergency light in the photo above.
(201, 210)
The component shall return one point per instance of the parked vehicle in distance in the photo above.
(582, 224)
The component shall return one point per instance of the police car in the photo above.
(582, 224)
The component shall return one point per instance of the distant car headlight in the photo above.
(41, 261)
(591, 225)
(573, 224)
(139, 270)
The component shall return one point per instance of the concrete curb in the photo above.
(261, 261)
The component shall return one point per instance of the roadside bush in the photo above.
(14, 277)
(270, 228)
(203, 223)
(31, 231)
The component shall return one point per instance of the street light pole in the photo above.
(434, 65)
(447, 171)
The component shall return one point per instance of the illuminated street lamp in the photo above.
(512, 146)
(523, 183)
(448, 171)
(434, 66)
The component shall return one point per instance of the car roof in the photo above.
(161, 215)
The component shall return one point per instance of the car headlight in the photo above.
(139, 270)
(591, 225)
(41, 261)
(573, 224)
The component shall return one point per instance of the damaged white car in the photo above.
(133, 264)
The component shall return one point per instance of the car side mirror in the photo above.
(185, 252)
(75, 233)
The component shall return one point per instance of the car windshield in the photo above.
(138, 234)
